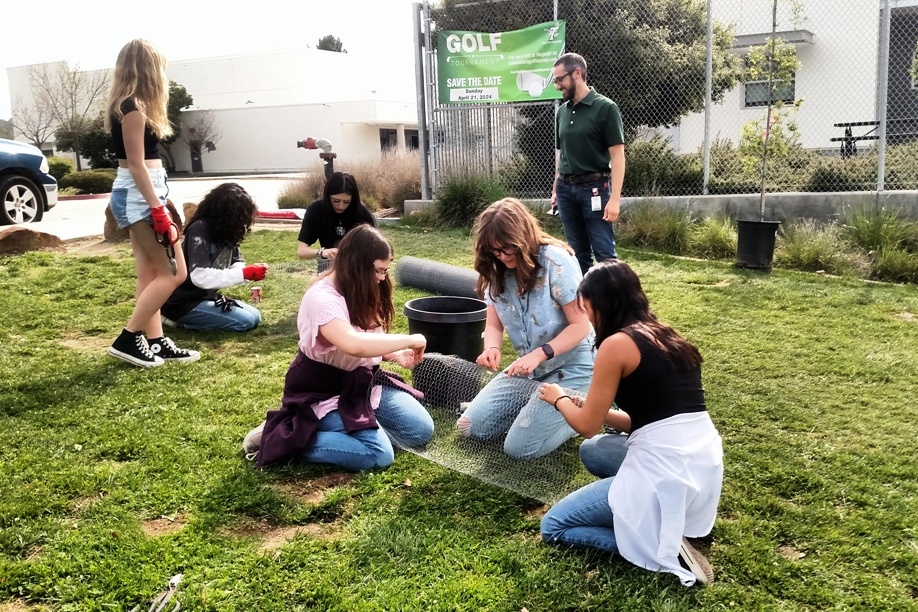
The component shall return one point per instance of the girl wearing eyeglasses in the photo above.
(338, 407)
(529, 281)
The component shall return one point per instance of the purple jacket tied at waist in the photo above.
(290, 430)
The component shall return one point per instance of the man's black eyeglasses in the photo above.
(563, 76)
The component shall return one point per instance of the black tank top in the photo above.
(150, 141)
(657, 390)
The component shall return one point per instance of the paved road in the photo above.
(72, 219)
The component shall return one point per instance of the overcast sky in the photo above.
(379, 32)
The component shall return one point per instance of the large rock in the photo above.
(19, 239)
(111, 233)
(188, 209)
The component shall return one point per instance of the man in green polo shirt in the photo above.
(590, 163)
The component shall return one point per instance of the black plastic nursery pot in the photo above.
(755, 245)
(452, 325)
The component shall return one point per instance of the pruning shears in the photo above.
(165, 240)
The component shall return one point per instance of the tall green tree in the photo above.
(331, 43)
(179, 98)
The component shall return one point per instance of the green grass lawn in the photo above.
(113, 479)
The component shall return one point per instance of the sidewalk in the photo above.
(84, 216)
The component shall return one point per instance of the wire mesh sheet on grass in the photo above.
(448, 382)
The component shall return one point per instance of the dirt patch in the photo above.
(312, 492)
(537, 512)
(85, 344)
(163, 525)
(907, 316)
(17, 605)
(789, 552)
(273, 537)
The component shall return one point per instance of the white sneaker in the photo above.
(165, 349)
(252, 441)
(696, 563)
(167, 322)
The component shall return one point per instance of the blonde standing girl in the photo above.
(138, 119)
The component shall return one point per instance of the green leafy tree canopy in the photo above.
(179, 98)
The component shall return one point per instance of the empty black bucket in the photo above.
(755, 244)
(452, 325)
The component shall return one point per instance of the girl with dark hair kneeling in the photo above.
(669, 484)
(329, 218)
(338, 406)
(211, 247)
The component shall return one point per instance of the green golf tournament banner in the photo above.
(476, 67)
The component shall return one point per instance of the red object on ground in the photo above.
(277, 214)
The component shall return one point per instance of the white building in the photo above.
(838, 46)
(262, 104)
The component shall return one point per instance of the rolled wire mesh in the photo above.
(436, 277)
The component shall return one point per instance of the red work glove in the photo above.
(162, 220)
(255, 272)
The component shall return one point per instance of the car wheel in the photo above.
(21, 199)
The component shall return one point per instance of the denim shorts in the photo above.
(127, 203)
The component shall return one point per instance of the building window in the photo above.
(756, 93)
(388, 139)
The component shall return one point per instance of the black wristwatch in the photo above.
(549, 352)
(319, 253)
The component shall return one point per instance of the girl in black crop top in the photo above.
(137, 118)
(653, 375)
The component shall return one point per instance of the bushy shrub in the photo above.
(713, 238)
(89, 181)
(851, 174)
(874, 228)
(384, 183)
(654, 169)
(388, 181)
(302, 192)
(463, 196)
(809, 245)
(896, 265)
(59, 167)
(655, 225)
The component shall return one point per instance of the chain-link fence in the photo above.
(812, 96)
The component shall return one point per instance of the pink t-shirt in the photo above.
(321, 304)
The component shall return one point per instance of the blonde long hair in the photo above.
(140, 74)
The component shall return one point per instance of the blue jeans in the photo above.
(404, 418)
(208, 316)
(583, 518)
(602, 455)
(401, 418)
(584, 228)
(511, 404)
